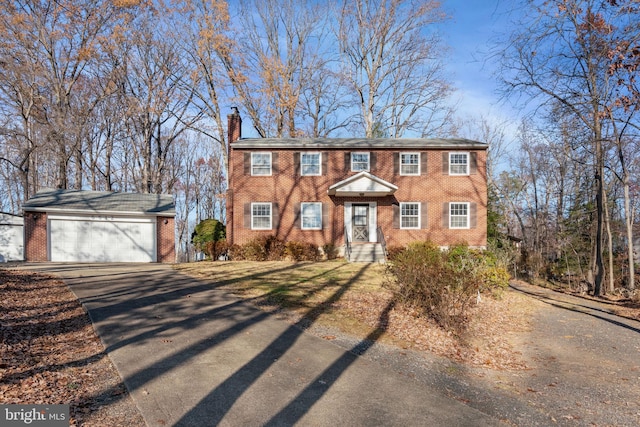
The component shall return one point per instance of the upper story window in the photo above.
(311, 214)
(458, 163)
(360, 162)
(409, 163)
(459, 215)
(260, 163)
(261, 216)
(410, 215)
(310, 164)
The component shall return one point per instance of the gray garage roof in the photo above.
(78, 201)
(360, 143)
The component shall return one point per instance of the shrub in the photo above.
(206, 234)
(394, 251)
(297, 251)
(236, 252)
(330, 250)
(216, 249)
(442, 284)
(264, 248)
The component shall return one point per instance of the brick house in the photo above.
(356, 190)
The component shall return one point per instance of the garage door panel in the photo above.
(102, 240)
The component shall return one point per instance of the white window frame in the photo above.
(302, 215)
(253, 216)
(451, 164)
(253, 165)
(368, 168)
(467, 216)
(409, 164)
(302, 164)
(402, 216)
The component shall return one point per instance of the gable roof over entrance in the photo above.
(362, 184)
(79, 201)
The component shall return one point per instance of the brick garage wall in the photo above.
(35, 237)
(287, 189)
(166, 239)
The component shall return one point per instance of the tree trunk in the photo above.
(609, 243)
(628, 213)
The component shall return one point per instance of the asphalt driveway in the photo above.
(193, 355)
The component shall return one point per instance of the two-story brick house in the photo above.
(328, 190)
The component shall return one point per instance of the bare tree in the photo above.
(391, 59)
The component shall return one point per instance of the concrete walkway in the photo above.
(192, 355)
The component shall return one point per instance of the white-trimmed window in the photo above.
(360, 162)
(311, 216)
(459, 215)
(261, 163)
(310, 164)
(261, 216)
(410, 215)
(458, 163)
(409, 163)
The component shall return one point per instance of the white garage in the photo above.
(11, 237)
(98, 226)
(104, 238)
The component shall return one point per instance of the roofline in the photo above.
(356, 143)
(98, 212)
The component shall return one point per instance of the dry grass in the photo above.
(352, 299)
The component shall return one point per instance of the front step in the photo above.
(367, 252)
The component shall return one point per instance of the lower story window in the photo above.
(458, 215)
(410, 215)
(261, 216)
(311, 216)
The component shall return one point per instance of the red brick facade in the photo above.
(434, 189)
(165, 234)
(35, 237)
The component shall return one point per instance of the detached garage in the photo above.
(11, 237)
(94, 226)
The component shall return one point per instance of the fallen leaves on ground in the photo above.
(50, 354)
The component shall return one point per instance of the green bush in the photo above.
(298, 251)
(443, 284)
(206, 233)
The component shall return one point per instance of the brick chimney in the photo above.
(234, 125)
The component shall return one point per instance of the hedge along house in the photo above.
(356, 192)
(95, 226)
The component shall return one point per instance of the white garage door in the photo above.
(11, 238)
(102, 239)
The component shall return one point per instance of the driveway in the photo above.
(193, 355)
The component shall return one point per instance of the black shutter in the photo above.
(325, 216)
(424, 224)
(396, 216)
(423, 162)
(325, 162)
(275, 216)
(297, 220)
(396, 163)
(445, 163)
(296, 164)
(372, 161)
(473, 163)
(247, 215)
(347, 161)
(445, 215)
(473, 215)
(247, 163)
(274, 163)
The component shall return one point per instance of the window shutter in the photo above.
(423, 216)
(473, 163)
(396, 163)
(347, 161)
(325, 215)
(297, 217)
(473, 215)
(274, 163)
(396, 216)
(275, 216)
(445, 163)
(247, 163)
(325, 162)
(445, 215)
(423, 163)
(372, 162)
(247, 215)
(296, 164)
